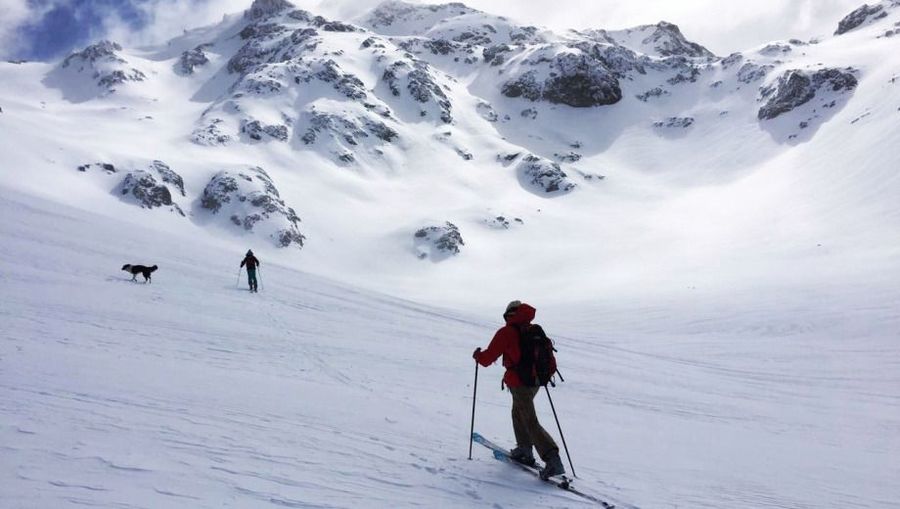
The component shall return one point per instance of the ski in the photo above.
(562, 481)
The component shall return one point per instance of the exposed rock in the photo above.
(372, 42)
(211, 134)
(334, 26)
(487, 111)
(576, 80)
(508, 158)
(104, 65)
(142, 187)
(330, 72)
(494, 54)
(674, 123)
(464, 154)
(570, 157)
(653, 92)
(249, 199)
(529, 113)
(168, 175)
(265, 43)
(864, 14)
(106, 167)
(502, 222)
(420, 84)
(667, 40)
(343, 133)
(776, 49)
(525, 86)
(590, 177)
(192, 59)
(267, 8)
(256, 130)
(750, 72)
(103, 51)
(732, 59)
(796, 87)
(438, 242)
(393, 12)
(688, 74)
(544, 176)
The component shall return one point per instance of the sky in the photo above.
(50, 29)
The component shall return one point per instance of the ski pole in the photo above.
(560, 432)
(474, 395)
(259, 270)
(238, 281)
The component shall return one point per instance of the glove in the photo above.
(476, 353)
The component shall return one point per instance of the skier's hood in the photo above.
(524, 314)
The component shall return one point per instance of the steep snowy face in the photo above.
(661, 40)
(396, 17)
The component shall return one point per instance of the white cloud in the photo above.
(13, 13)
(166, 19)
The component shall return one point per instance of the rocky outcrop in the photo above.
(417, 79)
(258, 131)
(674, 123)
(261, 9)
(343, 134)
(102, 63)
(398, 17)
(438, 242)
(865, 14)
(192, 59)
(666, 40)
(251, 201)
(211, 134)
(750, 72)
(141, 187)
(328, 71)
(575, 79)
(543, 176)
(796, 87)
(168, 175)
(108, 168)
(653, 93)
(502, 222)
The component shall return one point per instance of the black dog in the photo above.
(139, 269)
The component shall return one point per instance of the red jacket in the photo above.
(506, 343)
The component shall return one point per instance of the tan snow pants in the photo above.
(525, 423)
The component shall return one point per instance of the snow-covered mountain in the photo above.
(713, 240)
(559, 131)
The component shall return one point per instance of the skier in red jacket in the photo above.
(528, 430)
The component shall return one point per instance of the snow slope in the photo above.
(725, 297)
(190, 392)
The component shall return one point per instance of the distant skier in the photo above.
(528, 430)
(252, 263)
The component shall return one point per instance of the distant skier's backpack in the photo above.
(537, 364)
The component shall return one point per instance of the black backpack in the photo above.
(537, 364)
